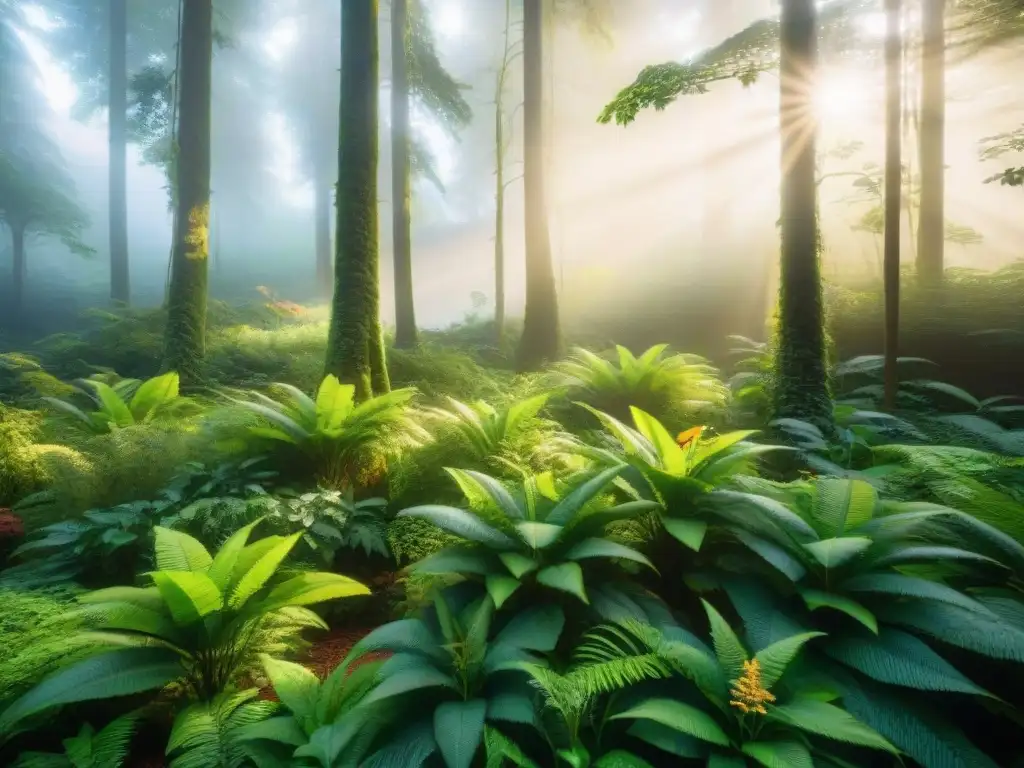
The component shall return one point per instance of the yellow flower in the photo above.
(748, 695)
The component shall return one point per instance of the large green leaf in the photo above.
(177, 551)
(841, 504)
(401, 635)
(459, 730)
(671, 456)
(334, 402)
(222, 567)
(816, 598)
(536, 629)
(772, 553)
(480, 488)
(538, 535)
(189, 596)
(677, 716)
(668, 739)
(518, 564)
(254, 579)
(567, 577)
(728, 648)
(778, 656)
(833, 553)
(578, 497)
(312, 587)
(456, 559)
(898, 585)
(501, 587)
(461, 523)
(779, 754)
(963, 627)
(689, 532)
(826, 720)
(411, 678)
(900, 659)
(115, 673)
(604, 548)
(152, 394)
(113, 407)
(296, 687)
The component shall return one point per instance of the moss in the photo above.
(21, 472)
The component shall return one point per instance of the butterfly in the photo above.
(689, 437)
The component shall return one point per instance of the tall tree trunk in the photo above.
(801, 389)
(18, 274)
(401, 184)
(932, 216)
(120, 287)
(185, 341)
(893, 192)
(500, 148)
(541, 339)
(355, 326)
(322, 226)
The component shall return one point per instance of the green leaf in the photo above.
(667, 739)
(113, 407)
(679, 717)
(963, 627)
(829, 721)
(457, 559)
(334, 402)
(177, 551)
(536, 629)
(575, 500)
(773, 554)
(897, 658)
(567, 577)
(478, 486)
(413, 678)
(687, 531)
(620, 758)
(779, 754)
(115, 673)
(726, 761)
(295, 686)
(538, 535)
(518, 564)
(777, 657)
(312, 587)
(842, 504)
(898, 585)
(604, 548)
(459, 730)
(833, 553)
(461, 523)
(223, 565)
(672, 457)
(152, 394)
(501, 588)
(253, 580)
(189, 596)
(815, 598)
(728, 648)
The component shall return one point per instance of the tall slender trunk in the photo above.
(401, 185)
(355, 324)
(185, 341)
(120, 287)
(932, 216)
(801, 389)
(322, 226)
(19, 270)
(541, 339)
(500, 147)
(893, 190)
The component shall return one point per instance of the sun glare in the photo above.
(282, 37)
(449, 21)
(840, 97)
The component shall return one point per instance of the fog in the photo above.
(675, 211)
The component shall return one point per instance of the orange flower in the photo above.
(690, 436)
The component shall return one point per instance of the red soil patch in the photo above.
(11, 526)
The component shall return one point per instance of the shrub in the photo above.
(124, 404)
(21, 472)
(203, 622)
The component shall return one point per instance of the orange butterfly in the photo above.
(690, 436)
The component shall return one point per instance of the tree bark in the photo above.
(541, 339)
(932, 216)
(120, 286)
(801, 387)
(401, 183)
(322, 227)
(355, 327)
(19, 271)
(893, 191)
(185, 342)
(500, 146)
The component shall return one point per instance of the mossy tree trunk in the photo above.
(541, 339)
(932, 216)
(185, 340)
(354, 345)
(801, 387)
(893, 199)
(120, 286)
(401, 177)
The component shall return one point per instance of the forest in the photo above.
(449, 384)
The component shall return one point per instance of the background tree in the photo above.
(354, 334)
(893, 201)
(801, 386)
(931, 224)
(185, 338)
(503, 123)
